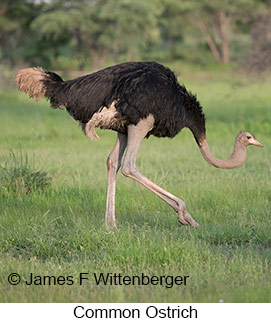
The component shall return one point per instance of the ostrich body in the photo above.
(136, 99)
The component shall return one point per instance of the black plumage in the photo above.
(139, 89)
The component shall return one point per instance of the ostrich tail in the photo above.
(36, 81)
(30, 81)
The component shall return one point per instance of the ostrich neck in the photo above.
(236, 159)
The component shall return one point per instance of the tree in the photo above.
(259, 59)
(74, 34)
(215, 20)
(131, 25)
(99, 28)
(15, 16)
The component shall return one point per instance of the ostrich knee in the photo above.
(112, 164)
(128, 167)
(128, 170)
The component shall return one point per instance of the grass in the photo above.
(18, 177)
(59, 230)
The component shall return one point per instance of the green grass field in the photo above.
(59, 230)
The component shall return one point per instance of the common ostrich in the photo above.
(135, 99)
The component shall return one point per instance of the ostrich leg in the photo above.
(113, 165)
(135, 136)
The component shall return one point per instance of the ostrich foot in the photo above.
(186, 219)
(183, 215)
(110, 224)
(111, 227)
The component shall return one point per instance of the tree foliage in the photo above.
(87, 33)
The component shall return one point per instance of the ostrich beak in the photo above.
(256, 143)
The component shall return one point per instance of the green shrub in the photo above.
(18, 176)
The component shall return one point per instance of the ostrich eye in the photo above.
(248, 137)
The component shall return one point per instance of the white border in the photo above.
(64, 312)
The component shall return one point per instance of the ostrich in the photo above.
(135, 99)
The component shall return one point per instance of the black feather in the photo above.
(140, 88)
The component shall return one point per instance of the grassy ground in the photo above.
(59, 230)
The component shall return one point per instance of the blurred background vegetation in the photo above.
(53, 179)
(85, 35)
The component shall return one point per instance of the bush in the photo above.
(17, 176)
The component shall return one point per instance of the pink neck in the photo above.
(236, 159)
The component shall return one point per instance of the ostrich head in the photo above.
(246, 138)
